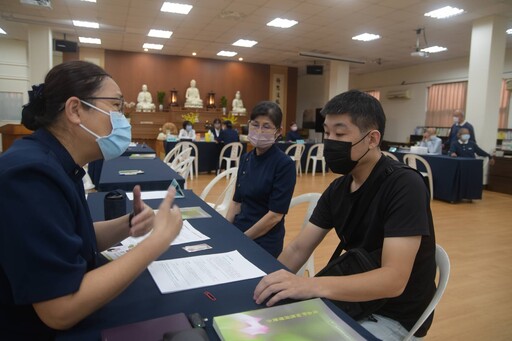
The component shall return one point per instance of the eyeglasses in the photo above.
(265, 128)
(119, 104)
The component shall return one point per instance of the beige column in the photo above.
(338, 77)
(40, 54)
(487, 56)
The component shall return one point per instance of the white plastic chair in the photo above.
(172, 154)
(183, 155)
(188, 144)
(221, 205)
(411, 160)
(390, 155)
(443, 267)
(311, 199)
(236, 149)
(183, 168)
(88, 184)
(319, 147)
(298, 150)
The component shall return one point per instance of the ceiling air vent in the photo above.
(38, 3)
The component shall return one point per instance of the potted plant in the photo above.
(224, 104)
(160, 95)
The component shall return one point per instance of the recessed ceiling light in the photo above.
(159, 34)
(227, 53)
(146, 50)
(509, 31)
(245, 43)
(434, 49)
(193, 53)
(152, 46)
(282, 23)
(88, 24)
(444, 12)
(2, 31)
(175, 8)
(366, 37)
(240, 59)
(86, 40)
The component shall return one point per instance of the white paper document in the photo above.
(180, 274)
(188, 234)
(148, 195)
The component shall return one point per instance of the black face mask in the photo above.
(337, 155)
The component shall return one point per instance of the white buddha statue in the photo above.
(192, 97)
(144, 100)
(238, 104)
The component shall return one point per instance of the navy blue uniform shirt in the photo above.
(467, 149)
(454, 130)
(47, 239)
(228, 135)
(293, 136)
(265, 183)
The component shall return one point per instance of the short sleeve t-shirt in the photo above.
(400, 208)
(265, 183)
(47, 239)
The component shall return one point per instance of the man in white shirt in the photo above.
(433, 143)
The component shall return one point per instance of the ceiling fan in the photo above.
(417, 51)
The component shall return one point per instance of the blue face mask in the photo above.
(117, 142)
(188, 128)
(464, 137)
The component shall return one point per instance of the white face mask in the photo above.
(455, 119)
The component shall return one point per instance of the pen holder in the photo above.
(115, 204)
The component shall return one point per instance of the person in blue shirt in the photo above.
(433, 143)
(464, 147)
(228, 134)
(293, 135)
(49, 273)
(458, 123)
(265, 182)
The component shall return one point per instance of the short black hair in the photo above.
(364, 110)
(228, 124)
(217, 120)
(186, 123)
(269, 109)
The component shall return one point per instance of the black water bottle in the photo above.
(115, 204)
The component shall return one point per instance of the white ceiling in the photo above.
(325, 26)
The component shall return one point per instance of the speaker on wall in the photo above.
(65, 45)
(314, 69)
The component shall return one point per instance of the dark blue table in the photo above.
(142, 300)
(157, 175)
(208, 153)
(455, 178)
(94, 168)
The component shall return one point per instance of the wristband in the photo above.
(130, 217)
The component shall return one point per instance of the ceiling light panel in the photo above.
(366, 37)
(282, 23)
(172, 7)
(227, 54)
(444, 12)
(434, 49)
(509, 31)
(152, 46)
(245, 43)
(2, 31)
(89, 1)
(160, 34)
(86, 40)
(88, 24)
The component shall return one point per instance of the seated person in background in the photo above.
(192, 97)
(433, 143)
(187, 132)
(463, 147)
(50, 274)
(144, 100)
(265, 182)
(379, 205)
(238, 104)
(458, 123)
(228, 134)
(169, 130)
(216, 129)
(293, 135)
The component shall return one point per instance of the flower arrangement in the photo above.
(232, 118)
(191, 116)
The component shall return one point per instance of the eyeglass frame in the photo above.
(110, 98)
(262, 128)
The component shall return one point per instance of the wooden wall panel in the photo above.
(163, 73)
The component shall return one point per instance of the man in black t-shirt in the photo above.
(389, 212)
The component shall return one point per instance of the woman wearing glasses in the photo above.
(265, 182)
(49, 276)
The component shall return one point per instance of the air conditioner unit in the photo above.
(398, 94)
(38, 3)
(509, 84)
